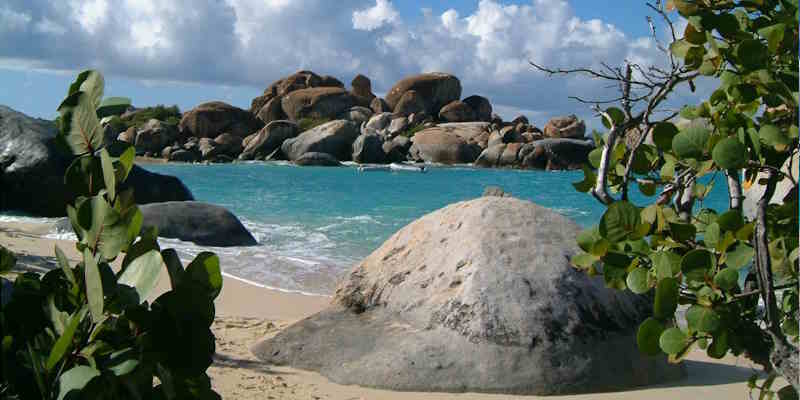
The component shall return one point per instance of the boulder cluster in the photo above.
(314, 120)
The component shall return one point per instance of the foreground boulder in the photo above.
(32, 170)
(209, 120)
(201, 223)
(478, 296)
(335, 138)
(436, 89)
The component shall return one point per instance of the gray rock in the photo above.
(335, 138)
(479, 296)
(368, 149)
(154, 135)
(32, 170)
(396, 150)
(550, 154)
(317, 159)
(378, 105)
(397, 125)
(183, 156)
(269, 138)
(201, 223)
(357, 114)
(377, 123)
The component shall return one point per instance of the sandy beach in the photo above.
(246, 313)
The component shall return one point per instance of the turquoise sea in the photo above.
(314, 223)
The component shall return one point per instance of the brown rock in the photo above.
(436, 89)
(457, 111)
(481, 106)
(411, 102)
(320, 102)
(567, 127)
(271, 111)
(442, 145)
(213, 118)
(362, 87)
(378, 105)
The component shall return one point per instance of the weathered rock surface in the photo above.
(154, 135)
(378, 105)
(214, 118)
(201, 223)
(357, 114)
(478, 296)
(271, 111)
(436, 89)
(481, 106)
(317, 159)
(549, 154)
(335, 138)
(368, 149)
(568, 127)
(32, 170)
(439, 145)
(318, 102)
(411, 102)
(271, 137)
(457, 111)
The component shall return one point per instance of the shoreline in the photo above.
(247, 313)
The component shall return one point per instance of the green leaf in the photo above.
(94, 285)
(668, 171)
(7, 260)
(702, 319)
(108, 233)
(142, 274)
(672, 341)
(638, 281)
(584, 260)
(740, 257)
(696, 264)
(774, 35)
(752, 54)
(80, 128)
(648, 335)
(731, 221)
(113, 106)
(771, 135)
(84, 176)
(620, 220)
(64, 342)
(691, 142)
(123, 362)
(712, 235)
(75, 379)
(588, 181)
(126, 161)
(787, 392)
(682, 232)
(666, 301)
(693, 36)
(109, 177)
(667, 264)
(174, 267)
(680, 48)
(730, 153)
(591, 242)
(595, 157)
(727, 278)
(727, 25)
(63, 262)
(719, 347)
(617, 117)
(90, 82)
(205, 273)
(663, 133)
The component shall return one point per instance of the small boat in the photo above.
(406, 167)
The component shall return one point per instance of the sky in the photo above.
(187, 52)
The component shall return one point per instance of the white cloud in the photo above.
(383, 12)
(254, 42)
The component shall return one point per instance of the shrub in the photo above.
(86, 330)
(409, 133)
(170, 115)
(305, 124)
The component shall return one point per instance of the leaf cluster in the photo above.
(91, 330)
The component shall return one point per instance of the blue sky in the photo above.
(230, 50)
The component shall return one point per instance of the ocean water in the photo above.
(314, 223)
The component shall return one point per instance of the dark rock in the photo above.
(269, 138)
(477, 297)
(183, 156)
(368, 149)
(154, 135)
(201, 223)
(318, 160)
(436, 89)
(457, 111)
(378, 105)
(411, 102)
(481, 106)
(335, 138)
(211, 119)
(271, 111)
(320, 102)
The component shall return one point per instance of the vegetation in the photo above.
(170, 115)
(87, 330)
(409, 133)
(305, 124)
(737, 274)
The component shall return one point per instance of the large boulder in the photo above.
(201, 223)
(568, 127)
(32, 170)
(271, 111)
(320, 102)
(437, 89)
(368, 149)
(271, 137)
(335, 138)
(549, 154)
(478, 296)
(316, 159)
(410, 102)
(208, 120)
(481, 106)
(154, 135)
(440, 145)
(362, 90)
(377, 123)
(457, 111)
